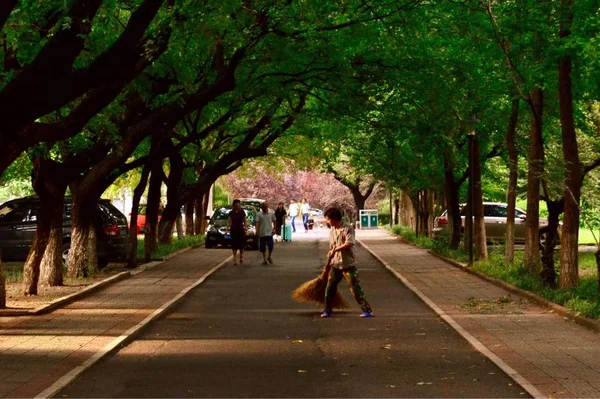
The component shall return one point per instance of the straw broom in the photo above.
(313, 291)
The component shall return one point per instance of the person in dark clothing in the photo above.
(280, 215)
(236, 227)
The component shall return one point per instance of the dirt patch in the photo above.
(502, 305)
(15, 298)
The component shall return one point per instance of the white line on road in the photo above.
(512, 373)
(71, 375)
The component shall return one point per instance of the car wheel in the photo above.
(102, 263)
(208, 245)
(65, 253)
(543, 236)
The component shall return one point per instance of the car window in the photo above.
(519, 213)
(223, 214)
(496, 211)
(68, 210)
(33, 213)
(12, 213)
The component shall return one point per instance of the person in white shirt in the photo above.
(265, 225)
(293, 212)
(305, 210)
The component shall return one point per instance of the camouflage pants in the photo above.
(351, 276)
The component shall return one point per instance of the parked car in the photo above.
(141, 219)
(494, 216)
(18, 224)
(316, 212)
(251, 202)
(217, 226)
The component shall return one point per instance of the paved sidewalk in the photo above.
(558, 357)
(37, 351)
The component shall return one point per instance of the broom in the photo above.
(314, 291)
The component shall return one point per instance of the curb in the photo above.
(62, 301)
(126, 337)
(478, 345)
(59, 302)
(558, 309)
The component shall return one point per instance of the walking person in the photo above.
(342, 256)
(280, 214)
(305, 210)
(236, 228)
(265, 222)
(294, 210)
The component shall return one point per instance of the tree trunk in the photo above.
(179, 227)
(93, 250)
(198, 205)
(152, 208)
(205, 202)
(569, 267)
(513, 166)
(50, 183)
(137, 195)
(451, 188)
(82, 216)
(481, 251)
(534, 175)
(396, 211)
(52, 262)
(172, 212)
(189, 218)
(548, 274)
(596, 255)
(2, 285)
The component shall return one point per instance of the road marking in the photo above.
(66, 379)
(512, 373)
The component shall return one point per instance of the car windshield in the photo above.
(15, 212)
(221, 215)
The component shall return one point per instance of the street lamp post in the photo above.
(471, 136)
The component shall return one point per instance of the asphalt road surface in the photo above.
(240, 335)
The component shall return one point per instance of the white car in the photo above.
(316, 212)
(494, 216)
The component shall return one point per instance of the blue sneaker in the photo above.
(326, 314)
(366, 314)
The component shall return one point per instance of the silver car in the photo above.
(494, 216)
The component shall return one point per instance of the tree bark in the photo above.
(152, 209)
(396, 211)
(2, 285)
(172, 213)
(198, 206)
(79, 256)
(534, 175)
(50, 185)
(189, 218)
(569, 266)
(52, 262)
(479, 223)
(548, 274)
(513, 166)
(451, 187)
(137, 195)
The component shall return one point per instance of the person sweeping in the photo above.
(342, 256)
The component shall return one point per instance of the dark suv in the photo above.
(217, 226)
(18, 224)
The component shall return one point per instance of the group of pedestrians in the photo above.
(341, 255)
(302, 210)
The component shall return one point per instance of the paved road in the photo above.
(240, 335)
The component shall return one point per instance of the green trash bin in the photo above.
(374, 221)
(364, 222)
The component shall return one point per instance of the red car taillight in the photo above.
(112, 230)
(442, 220)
